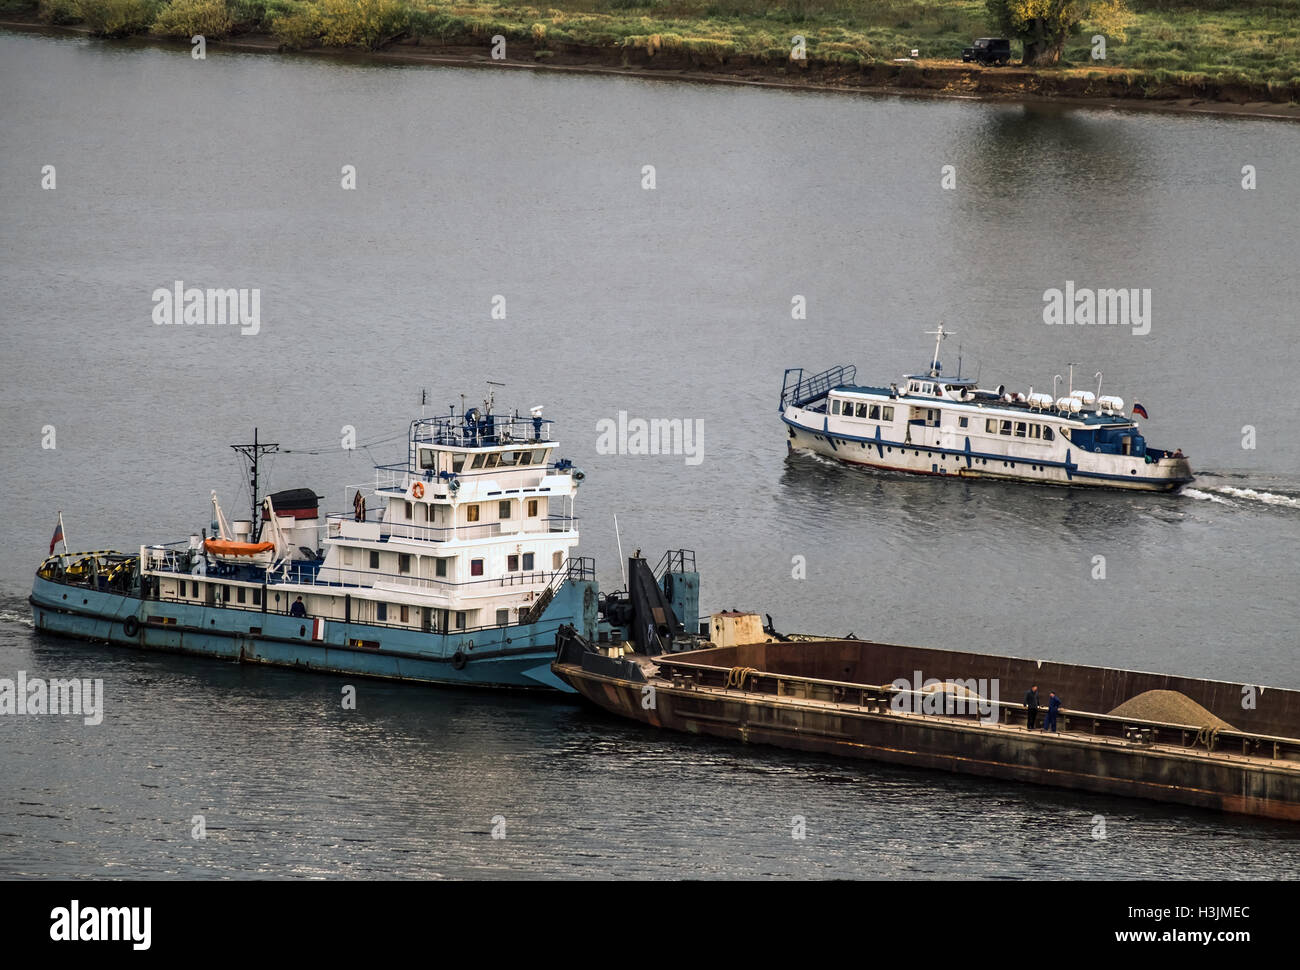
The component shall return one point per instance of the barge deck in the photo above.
(841, 697)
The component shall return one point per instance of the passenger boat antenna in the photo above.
(1098, 376)
(1071, 391)
(252, 453)
(938, 336)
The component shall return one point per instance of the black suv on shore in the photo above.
(988, 50)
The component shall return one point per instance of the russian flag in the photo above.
(1139, 409)
(58, 536)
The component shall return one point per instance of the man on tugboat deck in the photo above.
(298, 609)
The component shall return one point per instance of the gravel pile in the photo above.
(1169, 707)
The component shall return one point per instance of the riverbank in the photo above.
(1112, 87)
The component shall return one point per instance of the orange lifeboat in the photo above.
(224, 547)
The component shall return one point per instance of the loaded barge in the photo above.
(1238, 750)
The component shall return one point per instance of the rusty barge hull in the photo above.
(771, 694)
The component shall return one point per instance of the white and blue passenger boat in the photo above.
(457, 566)
(934, 424)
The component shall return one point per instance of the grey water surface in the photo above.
(666, 303)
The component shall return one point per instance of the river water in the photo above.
(670, 302)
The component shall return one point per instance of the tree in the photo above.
(1044, 25)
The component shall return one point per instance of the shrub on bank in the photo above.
(362, 23)
(118, 18)
(185, 18)
(295, 24)
(59, 11)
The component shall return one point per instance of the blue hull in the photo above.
(513, 657)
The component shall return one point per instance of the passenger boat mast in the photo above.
(251, 454)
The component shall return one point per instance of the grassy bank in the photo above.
(1250, 43)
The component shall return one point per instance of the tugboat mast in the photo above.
(251, 454)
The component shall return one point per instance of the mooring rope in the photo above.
(1207, 736)
(736, 677)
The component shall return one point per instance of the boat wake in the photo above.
(22, 619)
(1231, 495)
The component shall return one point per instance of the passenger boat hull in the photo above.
(512, 657)
(779, 694)
(961, 458)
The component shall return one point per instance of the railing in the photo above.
(798, 391)
(887, 699)
(433, 533)
(339, 577)
(575, 568)
(480, 431)
(397, 476)
(676, 561)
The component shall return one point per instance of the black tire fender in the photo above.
(130, 626)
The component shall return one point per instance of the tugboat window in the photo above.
(1047, 434)
(477, 462)
(990, 426)
(835, 406)
(862, 410)
(374, 559)
(1006, 428)
(874, 412)
(457, 462)
(888, 414)
(532, 507)
(512, 563)
(381, 612)
(503, 510)
(403, 562)
(440, 567)
(476, 567)
(1020, 429)
(471, 513)
(427, 459)
(528, 561)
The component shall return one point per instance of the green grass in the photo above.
(1254, 41)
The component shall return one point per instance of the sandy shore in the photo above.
(923, 78)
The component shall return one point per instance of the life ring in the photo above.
(417, 490)
(130, 626)
(458, 660)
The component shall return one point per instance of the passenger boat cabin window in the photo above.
(471, 513)
(835, 406)
(1005, 428)
(410, 512)
(512, 563)
(457, 462)
(476, 567)
(493, 460)
(440, 567)
(503, 617)
(886, 413)
(509, 457)
(963, 421)
(374, 558)
(428, 458)
(403, 562)
(240, 593)
(381, 612)
(460, 619)
(862, 410)
(477, 462)
(557, 560)
(1020, 429)
(528, 562)
(533, 505)
(503, 510)
(347, 556)
(406, 613)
